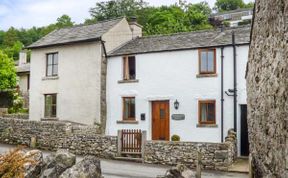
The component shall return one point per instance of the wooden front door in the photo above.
(160, 120)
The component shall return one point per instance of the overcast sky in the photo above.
(28, 13)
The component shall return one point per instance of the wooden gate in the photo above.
(131, 141)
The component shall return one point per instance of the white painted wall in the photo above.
(23, 82)
(78, 85)
(172, 75)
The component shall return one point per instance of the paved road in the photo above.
(123, 169)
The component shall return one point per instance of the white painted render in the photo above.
(23, 82)
(77, 85)
(170, 76)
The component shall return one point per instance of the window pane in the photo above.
(125, 69)
(53, 111)
(50, 105)
(211, 112)
(210, 62)
(132, 67)
(55, 69)
(203, 112)
(55, 58)
(49, 59)
(203, 67)
(48, 101)
(129, 108)
(49, 70)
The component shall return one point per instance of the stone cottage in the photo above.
(68, 70)
(187, 84)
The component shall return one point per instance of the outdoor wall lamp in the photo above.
(176, 104)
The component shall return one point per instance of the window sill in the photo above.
(128, 81)
(207, 125)
(127, 122)
(50, 78)
(50, 119)
(206, 75)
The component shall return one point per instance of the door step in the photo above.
(240, 165)
(139, 160)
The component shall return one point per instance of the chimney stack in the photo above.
(135, 28)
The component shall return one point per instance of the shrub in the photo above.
(175, 138)
(12, 163)
(17, 104)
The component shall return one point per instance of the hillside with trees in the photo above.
(179, 17)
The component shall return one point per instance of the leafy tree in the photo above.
(8, 76)
(13, 52)
(198, 15)
(116, 8)
(249, 5)
(64, 21)
(10, 37)
(227, 5)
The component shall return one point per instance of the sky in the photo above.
(29, 13)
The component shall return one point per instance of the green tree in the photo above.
(115, 8)
(10, 37)
(198, 15)
(227, 5)
(13, 52)
(8, 75)
(64, 21)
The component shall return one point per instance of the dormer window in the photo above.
(129, 68)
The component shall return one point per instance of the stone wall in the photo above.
(16, 116)
(267, 89)
(214, 155)
(82, 140)
(54, 135)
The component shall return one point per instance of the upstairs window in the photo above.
(207, 112)
(52, 64)
(129, 68)
(129, 108)
(207, 61)
(50, 105)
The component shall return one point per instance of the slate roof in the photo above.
(182, 41)
(23, 68)
(75, 34)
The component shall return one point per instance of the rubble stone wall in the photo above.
(267, 89)
(218, 156)
(83, 140)
(52, 135)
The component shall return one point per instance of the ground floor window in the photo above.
(207, 110)
(50, 105)
(128, 108)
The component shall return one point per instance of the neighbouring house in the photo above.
(23, 73)
(235, 17)
(68, 71)
(187, 84)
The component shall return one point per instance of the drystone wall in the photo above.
(218, 156)
(16, 116)
(267, 89)
(83, 140)
(50, 135)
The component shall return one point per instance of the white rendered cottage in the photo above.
(181, 84)
(68, 71)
